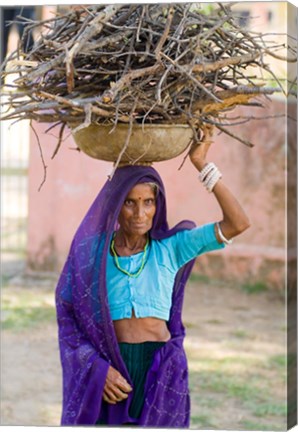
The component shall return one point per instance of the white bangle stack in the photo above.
(221, 236)
(209, 176)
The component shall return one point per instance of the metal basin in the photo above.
(147, 143)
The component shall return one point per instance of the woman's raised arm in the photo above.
(235, 220)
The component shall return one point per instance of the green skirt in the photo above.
(138, 358)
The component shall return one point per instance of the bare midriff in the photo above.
(137, 330)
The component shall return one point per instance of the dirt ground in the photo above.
(222, 321)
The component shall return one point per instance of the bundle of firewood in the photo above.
(134, 63)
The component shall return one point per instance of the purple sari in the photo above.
(87, 340)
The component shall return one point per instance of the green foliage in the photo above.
(204, 8)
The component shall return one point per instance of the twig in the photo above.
(140, 24)
(127, 140)
(109, 95)
(87, 121)
(94, 27)
(183, 70)
(220, 64)
(59, 140)
(41, 156)
(243, 141)
(195, 139)
(165, 33)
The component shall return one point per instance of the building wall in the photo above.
(256, 176)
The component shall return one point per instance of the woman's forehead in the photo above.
(141, 189)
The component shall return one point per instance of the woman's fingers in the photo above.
(118, 394)
(107, 399)
(115, 378)
(116, 387)
(123, 385)
(114, 395)
(112, 398)
(207, 130)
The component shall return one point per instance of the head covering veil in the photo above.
(87, 340)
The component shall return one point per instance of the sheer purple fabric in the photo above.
(87, 341)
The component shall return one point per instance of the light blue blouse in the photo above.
(150, 293)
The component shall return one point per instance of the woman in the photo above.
(119, 300)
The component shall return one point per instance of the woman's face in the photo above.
(138, 210)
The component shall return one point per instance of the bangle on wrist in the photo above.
(221, 236)
(209, 176)
(212, 180)
(207, 168)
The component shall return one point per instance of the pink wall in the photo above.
(256, 176)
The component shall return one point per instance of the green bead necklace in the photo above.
(123, 270)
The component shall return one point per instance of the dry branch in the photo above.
(171, 63)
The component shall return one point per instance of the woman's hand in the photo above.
(234, 220)
(116, 387)
(198, 152)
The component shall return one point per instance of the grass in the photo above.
(189, 325)
(214, 321)
(196, 277)
(254, 288)
(240, 334)
(229, 384)
(218, 383)
(270, 409)
(20, 318)
(26, 308)
(278, 360)
(253, 425)
(202, 421)
(4, 280)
